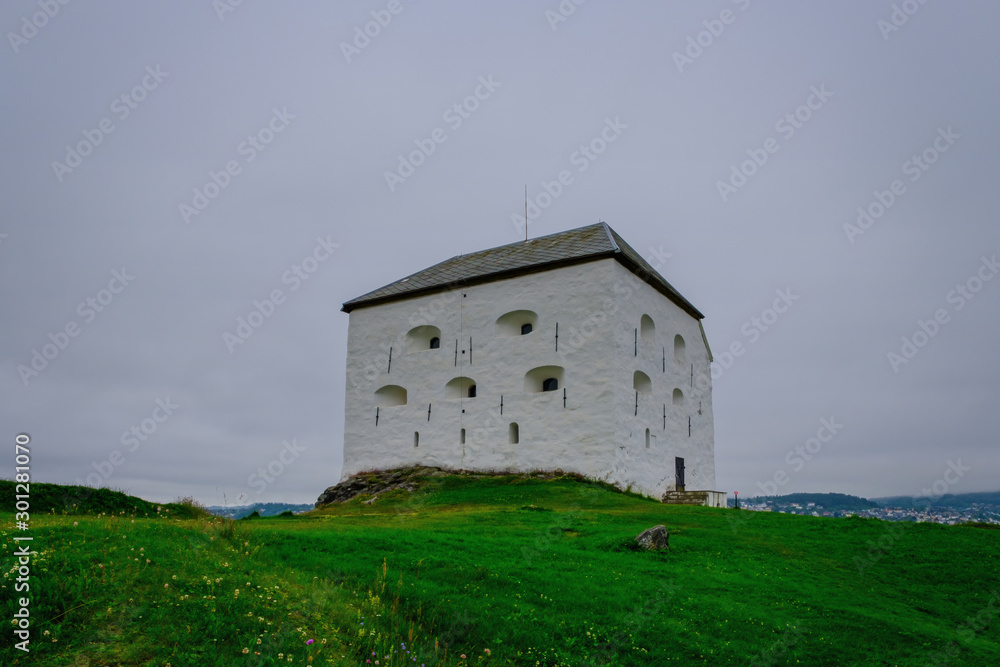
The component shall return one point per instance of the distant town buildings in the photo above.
(974, 512)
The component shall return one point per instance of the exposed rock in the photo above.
(655, 539)
(409, 479)
(374, 483)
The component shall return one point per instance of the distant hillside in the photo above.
(60, 499)
(947, 500)
(828, 501)
(264, 509)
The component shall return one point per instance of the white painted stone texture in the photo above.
(589, 425)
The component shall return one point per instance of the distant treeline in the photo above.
(264, 509)
(947, 500)
(828, 501)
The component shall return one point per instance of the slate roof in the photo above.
(575, 246)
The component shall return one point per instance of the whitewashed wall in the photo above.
(651, 470)
(597, 307)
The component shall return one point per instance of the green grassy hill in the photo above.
(508, 571)
(60, 499)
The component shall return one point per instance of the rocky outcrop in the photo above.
(409, 479)
(654, 539)
(373, 483)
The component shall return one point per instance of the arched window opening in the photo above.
(517, 323)
(544, 378)
(461, 437)
(513, 433)
(390, 395)
(678, 397)
(416, 438)
(423, 338)
(641, 383)
(680, 353)
(647, 438)
(460, 387)
(646, 329)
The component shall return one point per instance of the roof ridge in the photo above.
(537, 238)
(611, 235)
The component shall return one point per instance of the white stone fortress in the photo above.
(567, 352)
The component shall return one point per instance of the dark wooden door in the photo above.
(679, 472)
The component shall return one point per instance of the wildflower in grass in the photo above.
(487, 651)
(309, 642)
(246, 650)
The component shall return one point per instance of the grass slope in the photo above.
(60, 499)
(537, 572)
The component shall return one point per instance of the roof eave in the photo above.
(660, 284)
(655, 281)
(354, 304)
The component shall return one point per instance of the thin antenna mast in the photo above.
(525, 212)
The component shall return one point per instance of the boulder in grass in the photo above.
(655, 539)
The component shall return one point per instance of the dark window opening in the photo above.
(526, 328)
(472, 391)
(514, 434)
(550, 384)
(435, 343)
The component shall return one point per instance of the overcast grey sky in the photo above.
(167, 164)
